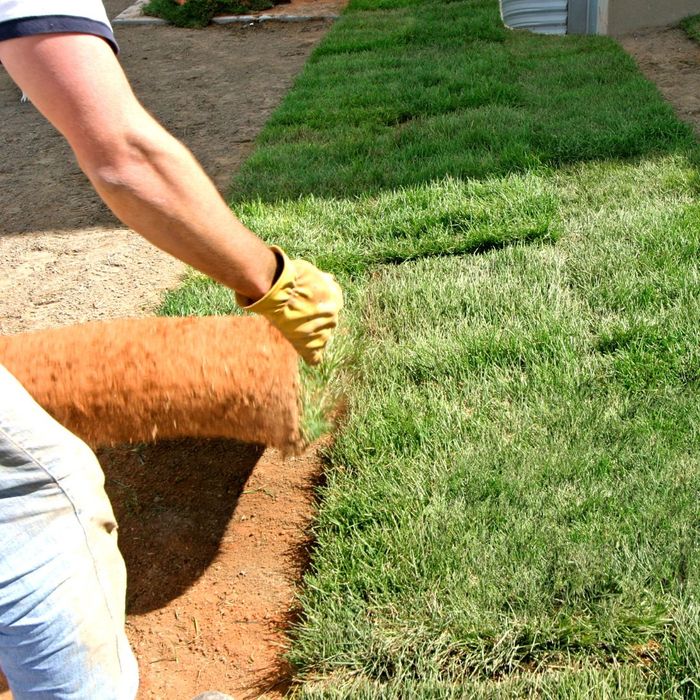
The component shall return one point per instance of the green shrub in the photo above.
(691, 26)
(198, 13)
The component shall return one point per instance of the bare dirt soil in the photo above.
(214, 533)
(671, 60)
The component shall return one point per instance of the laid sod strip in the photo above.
(515, 496)
(448, 217)
(513, 499)
(412, 91)
(199, 296)
(691, 26)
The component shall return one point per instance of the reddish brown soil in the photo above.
(214, 533)
(135, 380)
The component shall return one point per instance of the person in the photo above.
(62, 579)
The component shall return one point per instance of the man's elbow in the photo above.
(123, 163)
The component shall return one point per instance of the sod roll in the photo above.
(138, 380)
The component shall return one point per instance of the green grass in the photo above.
(512, 506)
(516, 489)
(400, 96)
(446, 217)
(691, 26)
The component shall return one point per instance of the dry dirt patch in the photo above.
(213, 532)
(668, 58)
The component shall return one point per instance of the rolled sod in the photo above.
(139, 380)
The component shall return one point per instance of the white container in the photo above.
(539, 16)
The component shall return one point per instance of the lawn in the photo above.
(691, 26)
(512, 503)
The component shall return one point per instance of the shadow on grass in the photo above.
(356, 266)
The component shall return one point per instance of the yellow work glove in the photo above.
(303, 304)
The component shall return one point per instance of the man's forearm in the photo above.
(157, 188)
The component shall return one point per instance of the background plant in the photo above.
(198, 13)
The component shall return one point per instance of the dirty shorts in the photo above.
(29, 17)
(62, 578)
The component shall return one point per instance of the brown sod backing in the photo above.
(138, 380)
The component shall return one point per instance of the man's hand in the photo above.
(303, 304)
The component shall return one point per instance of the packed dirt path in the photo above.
(214, 533)
(671, 60)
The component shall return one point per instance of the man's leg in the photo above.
(62, 579)
(147, 177)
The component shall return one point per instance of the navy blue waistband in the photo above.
(56, 24)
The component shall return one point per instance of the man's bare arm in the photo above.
(148, 179)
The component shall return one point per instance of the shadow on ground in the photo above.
(173, 501)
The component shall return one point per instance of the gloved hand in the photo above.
(303, 304)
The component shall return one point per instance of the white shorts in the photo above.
(29, 17)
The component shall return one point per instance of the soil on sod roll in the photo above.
(140, 380)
